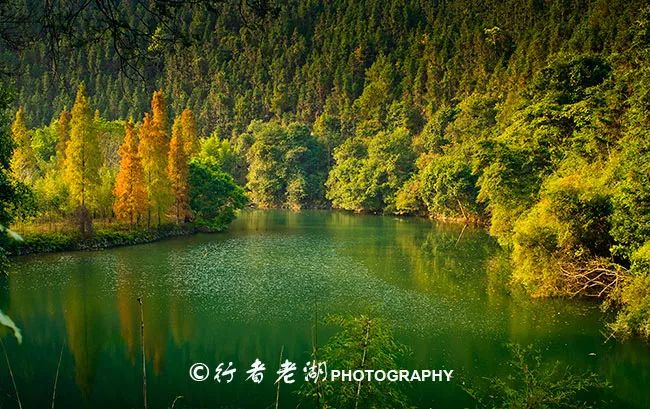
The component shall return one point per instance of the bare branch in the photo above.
(597, 278)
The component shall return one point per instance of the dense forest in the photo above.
(531, 117)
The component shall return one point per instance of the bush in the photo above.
(634, 298)
(103, 238)
(44, 242)
(631, 213)
(407, 199)
(567, 229)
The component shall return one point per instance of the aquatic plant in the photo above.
(533, 383)
(362, 343)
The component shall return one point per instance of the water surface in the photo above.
(257, 289)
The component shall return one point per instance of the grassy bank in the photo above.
(48, 242)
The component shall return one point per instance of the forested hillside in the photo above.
(529, 116)
(313, 56)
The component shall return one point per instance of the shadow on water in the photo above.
(256, 289)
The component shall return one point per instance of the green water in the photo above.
(255, 290)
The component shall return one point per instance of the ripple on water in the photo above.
(280, 278)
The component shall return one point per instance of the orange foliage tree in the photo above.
(130, 191)
(153, 150)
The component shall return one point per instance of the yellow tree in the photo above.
(82, 158)
(130, 192)
(23, 162)
(177, 171)
(190, 138)
(153, 149)
(63, 136)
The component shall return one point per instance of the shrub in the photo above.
(634, 298)
(567, 229)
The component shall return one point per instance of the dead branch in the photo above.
(597, 278)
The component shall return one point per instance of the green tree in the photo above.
(448, 187)
(286, 166)
(368, 172)
(44, 145)
(379, 92)
(217, 151)
(631, 197)
(214, 195)
(327, 130)
(83, 159)
(555, 122)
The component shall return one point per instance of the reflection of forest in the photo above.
(441, 257)
(88, 301)
(463, 266)
(103, 330)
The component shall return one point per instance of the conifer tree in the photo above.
(130, 192)
(23, 161)
(159, 111)
(177, 171)
(63, 136)
(82, 158)
(153, 148)
(190, 138)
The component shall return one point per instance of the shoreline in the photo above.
(57, 242)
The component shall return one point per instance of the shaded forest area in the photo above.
(531, 117)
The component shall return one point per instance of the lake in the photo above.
(258, 289)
